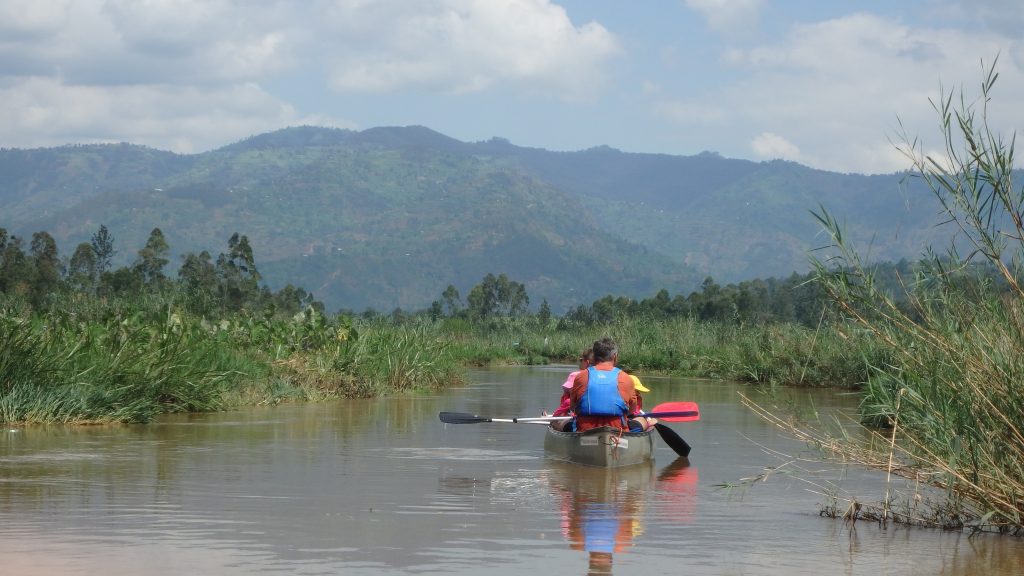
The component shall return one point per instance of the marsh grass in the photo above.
(767, 354)
(950, 394)
(59, 368)
(383, 359)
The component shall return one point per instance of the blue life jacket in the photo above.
(602, 397)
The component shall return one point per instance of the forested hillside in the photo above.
(389, 217)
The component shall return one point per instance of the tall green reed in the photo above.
(66, 367)
(952, 388)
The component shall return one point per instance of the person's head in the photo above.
(586, 358)
(605, 350)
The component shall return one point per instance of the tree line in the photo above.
(229, 283)
(796, 299)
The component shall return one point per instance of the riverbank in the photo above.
(129, 361)
(94, 360)
(764, 354)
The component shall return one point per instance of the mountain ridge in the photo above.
(389, 216)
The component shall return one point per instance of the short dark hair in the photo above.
(586, 356)
(605, 349)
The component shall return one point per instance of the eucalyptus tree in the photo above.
(497, 296)
(198, 280)
(153, 258)
(103, 246)
(82, 268)
(15, 268)
(46, 265)
(452, 302)
(237, 276)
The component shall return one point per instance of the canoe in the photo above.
(604, 447)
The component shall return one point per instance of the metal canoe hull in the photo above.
(602, 447)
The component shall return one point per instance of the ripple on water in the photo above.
(452, 453)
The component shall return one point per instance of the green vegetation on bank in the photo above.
(85, 342)
(951, 394)
(82, 343)
(769, 353)
(90, 360)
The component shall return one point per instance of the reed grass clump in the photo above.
(131, 360)
(950, 394)
(372, 359)
(768, 354)
(59, 367)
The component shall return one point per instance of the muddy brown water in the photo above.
(383, 487)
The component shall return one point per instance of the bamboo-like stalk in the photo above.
(953, 392)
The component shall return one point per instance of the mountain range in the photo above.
(388, 217)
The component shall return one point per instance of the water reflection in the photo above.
(370, 487)
(603, 511)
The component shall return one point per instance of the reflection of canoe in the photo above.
(605, 447)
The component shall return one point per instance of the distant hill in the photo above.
(388, 217)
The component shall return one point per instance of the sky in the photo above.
(829, 84)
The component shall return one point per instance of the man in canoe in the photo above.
(602, 395)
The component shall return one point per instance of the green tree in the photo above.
(291, 300)
(103, 246)
(544, 314)
(82, 268)
(198, 278)
(482, 298)
(47, 266)
(497, 296)
(436, 310)
(452, 301)
(237, 274)
(153, 258)
(511, 297)
(15, 268)
(124, 280)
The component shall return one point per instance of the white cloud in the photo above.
(178, 118)
(728, 17)
(460, 46)
(117, 42)
(772, 146)
(840, 88)
(189, 74)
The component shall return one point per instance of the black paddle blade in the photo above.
(674, 441)
(461, 418)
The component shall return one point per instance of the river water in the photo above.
(383, 487)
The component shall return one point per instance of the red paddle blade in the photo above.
(677, 407)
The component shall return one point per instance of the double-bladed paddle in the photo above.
(668, 411)
(673, 440)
